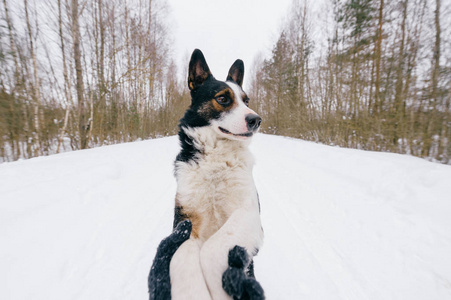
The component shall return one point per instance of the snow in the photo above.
(339, 223)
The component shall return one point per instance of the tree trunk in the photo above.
(399, 103)
(377, 101)
(433, 97)
(36, 93)
(67, 84)
(82, 126)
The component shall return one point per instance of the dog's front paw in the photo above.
(182, 232)
(252, 290)
(238, 257)
(233, 281)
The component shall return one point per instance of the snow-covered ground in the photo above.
(339, 223)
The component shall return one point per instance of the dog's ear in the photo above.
(236, 72)
(198, 70)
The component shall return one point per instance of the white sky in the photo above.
(225, 30)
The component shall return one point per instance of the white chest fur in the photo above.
(219, 182)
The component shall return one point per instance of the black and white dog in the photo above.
(217, 228)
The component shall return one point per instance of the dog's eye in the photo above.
(222, 100)
(246, 101)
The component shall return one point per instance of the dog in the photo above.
(217, 226)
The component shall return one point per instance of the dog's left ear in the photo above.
(198, 71)
(236, 72)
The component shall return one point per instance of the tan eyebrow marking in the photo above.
(224, 92)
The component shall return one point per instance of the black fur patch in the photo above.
(159, 281)
(188, 151)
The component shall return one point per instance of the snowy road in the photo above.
(339, 223)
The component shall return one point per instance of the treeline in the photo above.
(365, 74)
(77, 74)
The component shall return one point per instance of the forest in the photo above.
(365, 74)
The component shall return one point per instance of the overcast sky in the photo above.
(225, 30)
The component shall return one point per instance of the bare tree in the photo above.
(67, 82)
(82, 125)
(35, 84)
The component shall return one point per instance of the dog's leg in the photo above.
(243, 228)
(187, 279)
(159, 281)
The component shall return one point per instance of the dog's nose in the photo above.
(253, 121)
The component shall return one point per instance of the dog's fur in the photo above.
(215, 192)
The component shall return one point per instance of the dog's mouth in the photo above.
(246, 134)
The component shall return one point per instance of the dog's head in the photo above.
(223, 105)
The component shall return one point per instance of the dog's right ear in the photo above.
(198, 70)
